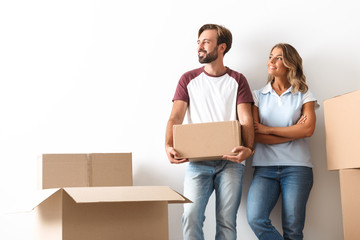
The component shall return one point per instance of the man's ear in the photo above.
(222, 47)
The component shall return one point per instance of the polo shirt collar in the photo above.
(268, 89)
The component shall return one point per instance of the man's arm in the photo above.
(176, 117)
(244, 111)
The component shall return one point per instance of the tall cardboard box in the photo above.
(86, 170)
(111, 213)
(206, 141)
(350, 199)
(342, 128)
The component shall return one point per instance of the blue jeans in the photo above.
(201, 179)
(294, 183)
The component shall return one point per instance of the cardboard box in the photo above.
(342, 130)
(86, 170)
(350, 199)
(135, 212)
(206, 141)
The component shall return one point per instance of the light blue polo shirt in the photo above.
(281, 111)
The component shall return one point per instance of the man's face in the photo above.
(207, 46)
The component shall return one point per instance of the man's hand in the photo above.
(242, 153)
(171, 154)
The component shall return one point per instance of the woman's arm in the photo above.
(270, 139)
(304, 128)
(266, 138)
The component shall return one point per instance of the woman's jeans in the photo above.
(201, 179)
(294, 183)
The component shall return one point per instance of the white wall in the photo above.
(99, 76)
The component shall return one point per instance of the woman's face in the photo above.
(275, 63)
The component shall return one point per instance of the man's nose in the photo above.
(200, 46)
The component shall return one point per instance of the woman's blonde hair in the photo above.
(293, 62)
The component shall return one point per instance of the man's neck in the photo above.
(215, 68)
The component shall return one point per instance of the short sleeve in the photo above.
(255, 97)
(181, 92)
(244, 93)
(309, 97)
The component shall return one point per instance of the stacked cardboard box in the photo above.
(342, 146)
(206, 141)
(90, 196)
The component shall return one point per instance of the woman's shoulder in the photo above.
(264, 90)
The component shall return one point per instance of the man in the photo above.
(212, 93)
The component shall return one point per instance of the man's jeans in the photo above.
(294, 183)
(201, 179)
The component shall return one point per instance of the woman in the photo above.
(284, 117)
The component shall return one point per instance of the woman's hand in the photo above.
(260, 128)
(302, 119)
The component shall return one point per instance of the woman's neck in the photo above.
(280, 85)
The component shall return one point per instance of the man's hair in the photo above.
(224, 34)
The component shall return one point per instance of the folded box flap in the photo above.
(125, 194)
(41, 195)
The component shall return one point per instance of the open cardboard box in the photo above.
(86, 170)
(206, 141)
(94, 213)
(85, 196)
(342, 130)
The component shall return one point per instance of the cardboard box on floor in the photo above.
(206, 141)
(341, 115)
(86, 170)
(93, 213)
(350, 199)
(342, 130)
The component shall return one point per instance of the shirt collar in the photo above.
(268, 89)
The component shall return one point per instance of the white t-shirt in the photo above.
(210, 98)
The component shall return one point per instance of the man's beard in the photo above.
(209, 57)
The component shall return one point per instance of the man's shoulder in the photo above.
(235, 74)
(193, 73)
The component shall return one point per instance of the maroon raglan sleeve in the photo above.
(244, 94)
(181, 92)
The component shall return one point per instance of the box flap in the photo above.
(65, 170)
(125, 194)
(111, 169)
(41, 195)
(86, 170)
